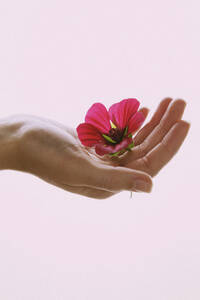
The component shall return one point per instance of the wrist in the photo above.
(9, 141)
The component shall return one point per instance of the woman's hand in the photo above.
(54, 153)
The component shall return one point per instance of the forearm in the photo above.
(9, 140)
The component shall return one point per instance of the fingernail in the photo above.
(143, 186)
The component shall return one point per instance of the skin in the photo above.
(53, 152)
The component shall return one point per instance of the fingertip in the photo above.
(142, 182)
(185, 124)
(167, 100)
(142, 186)
(180, 102)
(144, 111)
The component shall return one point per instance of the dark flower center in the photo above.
(116, 134)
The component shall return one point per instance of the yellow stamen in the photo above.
(112, 124)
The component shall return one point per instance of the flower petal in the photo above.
(102, 149)
(135, 122)
(98, 116)
(89, 135)
(121, 112)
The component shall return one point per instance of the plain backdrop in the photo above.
(56, 59)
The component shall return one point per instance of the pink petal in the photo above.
(98, 116)
(102, 149)
(121, 112)
(135, 122)
(89, 135)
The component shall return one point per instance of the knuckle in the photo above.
(141, 150)
(23, 147)
(153, 122)
(167, 150)
(27, 135)
(28, 130)
(161, 131)
(148, 167)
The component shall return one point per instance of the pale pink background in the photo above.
(56, 59)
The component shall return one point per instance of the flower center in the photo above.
(116, 134)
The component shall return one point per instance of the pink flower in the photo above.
(110, 132)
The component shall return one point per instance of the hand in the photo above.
(54, 153)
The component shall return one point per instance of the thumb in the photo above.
(116, 179)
